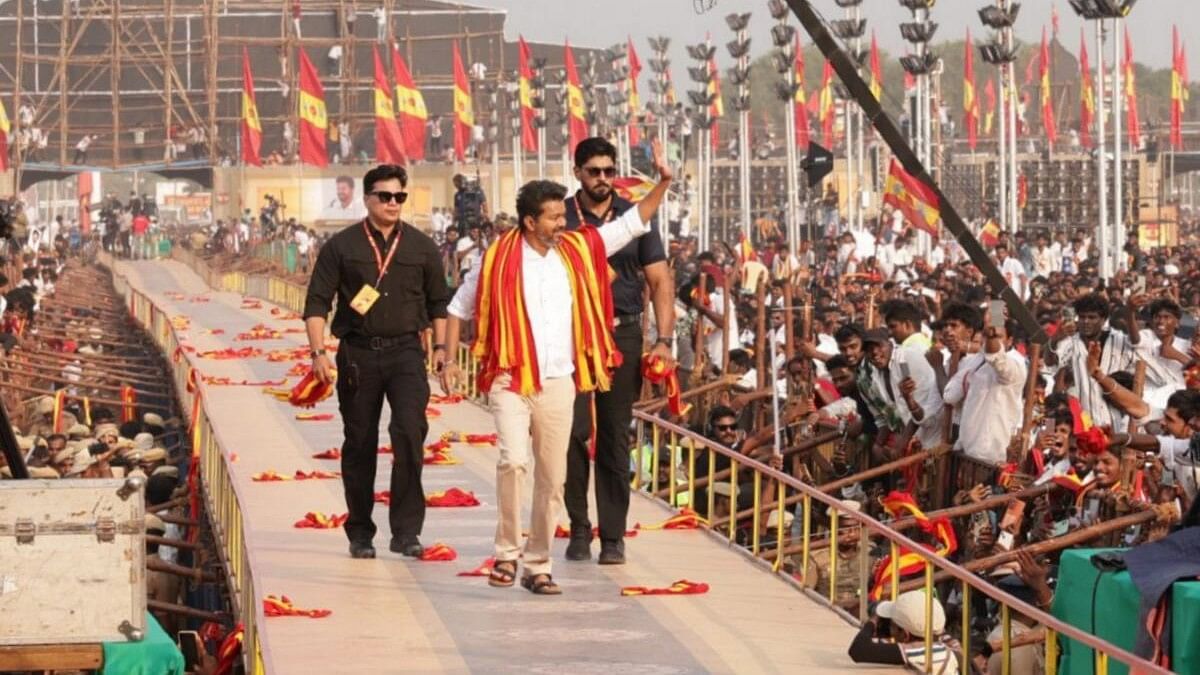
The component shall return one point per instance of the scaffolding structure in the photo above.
(143, 75)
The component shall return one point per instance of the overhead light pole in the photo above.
(1002, 53)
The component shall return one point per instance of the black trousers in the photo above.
(614, 411)
(365, 378)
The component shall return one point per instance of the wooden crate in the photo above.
(72, 561)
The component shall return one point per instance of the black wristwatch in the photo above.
(667, 341)
(317, 352)
(439, 346)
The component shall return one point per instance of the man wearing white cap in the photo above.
(906, 646)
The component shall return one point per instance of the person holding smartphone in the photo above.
(988, 389)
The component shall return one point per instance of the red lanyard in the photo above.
(381, 263)
(608, 215)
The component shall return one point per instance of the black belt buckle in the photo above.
(376, 343)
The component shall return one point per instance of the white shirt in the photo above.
(1117, 354)
(1163, 376)
(988, 389)
(468, 251)
(1014, 273)
(1043, 261)
(714, 343)
(927, 395)
(546, 292)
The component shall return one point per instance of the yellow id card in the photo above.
(364, 299)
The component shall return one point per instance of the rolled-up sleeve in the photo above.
(462, 305)
(623, 230)
(323, 283)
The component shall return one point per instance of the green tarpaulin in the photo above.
(156, 655)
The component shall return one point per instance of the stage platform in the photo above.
(394, 615)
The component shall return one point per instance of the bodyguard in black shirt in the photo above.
(642, 262)
(388, 280)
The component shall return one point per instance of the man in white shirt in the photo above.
(1165, 353)
(1043, 257)
(905, 374)
(987, 387)
(534, 395)
(344, 206)
(1117, 354)
(1012, 270)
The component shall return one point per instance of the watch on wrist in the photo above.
(316, 353)
(439, 346)
(668, 341)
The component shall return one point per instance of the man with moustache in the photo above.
(544, 311)
(640, 263)
(389, 283)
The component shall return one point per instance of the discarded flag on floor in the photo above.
(472, 439)
(314, 417)
(281, 605)
(483, 570)
(686, 519)
(439, 552)
(319, 521)
(452, 497)
(681, 587)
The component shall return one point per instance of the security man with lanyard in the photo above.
(643, 261)
(390, 285)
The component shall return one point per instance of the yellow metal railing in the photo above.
(220, 493)
(683, 483)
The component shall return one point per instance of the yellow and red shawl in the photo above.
(505, 340)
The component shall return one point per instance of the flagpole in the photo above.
(1102, 233)
(1118, 170)
(1014, 218)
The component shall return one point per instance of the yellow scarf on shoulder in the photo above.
(504, 343)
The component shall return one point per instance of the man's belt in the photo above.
(627, 319)
(378, 343)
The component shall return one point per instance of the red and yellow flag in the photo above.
(1178, 88)
(251, 125)
(825, 107)
(989, 113)
(635, 70)
(877, 70)
(896, 503)
(5, 129)
(716, 110)
(1048, 124)
(389, 146)
(464, 113)
(128, 403)
(1087, 95)
(313, 121)
(970, 103)
(800, 105)
(1132, 121)
(577, 126)
(529, 139)
(919, 204)
(410, 109)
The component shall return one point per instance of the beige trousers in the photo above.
(538, 425)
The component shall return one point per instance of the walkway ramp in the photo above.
(395, 615)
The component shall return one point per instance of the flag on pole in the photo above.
(635, 70)
(989, 98)
(389, 146)
(910, 82)
(464, 114)
(1047, 96)
(800, 105)
(529, 140)
(577, 126)
(970, 103)
(411, 114)
(876, 70)
(5, 129)
(1087, 95)
(313, 122)
(1133, 123)
(251, 125)
(1178, 89)
(671, 99)
(825, 107)
(919, 204)
(717, 109)
(1054, 19)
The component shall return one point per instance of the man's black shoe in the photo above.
(362, 549)
(612, 552)
(580, 546)
(408, 546)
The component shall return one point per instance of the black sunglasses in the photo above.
(596, 171)
(726, 427)
(385, 196)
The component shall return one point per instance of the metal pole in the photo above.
(1014, 218)
(1118, 170)
(541, 153)
(1002, 142)
(789, 133)
(1101, 234)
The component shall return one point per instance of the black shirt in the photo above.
(629, 261)
(412, 292)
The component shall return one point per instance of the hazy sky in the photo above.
(600, 23)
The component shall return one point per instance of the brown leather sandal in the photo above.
(540, 584)
(503, 574)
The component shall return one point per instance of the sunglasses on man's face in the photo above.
(726, 427)
(597, 171)
(384, 196)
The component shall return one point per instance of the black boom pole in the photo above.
(891, 135)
